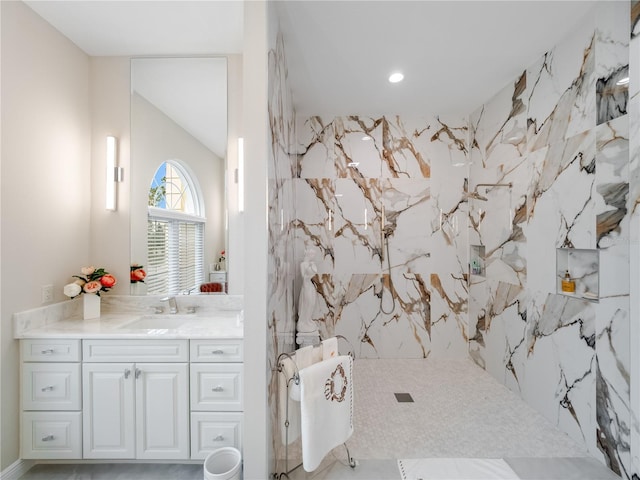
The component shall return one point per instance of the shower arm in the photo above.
(494, 185)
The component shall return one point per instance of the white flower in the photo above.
(72, 290)
(87, 270)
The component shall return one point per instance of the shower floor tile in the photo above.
(459, 411)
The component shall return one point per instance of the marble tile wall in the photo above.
(557, 140)
(634, 228)
(382, 202)
(280, 306)
(559, 135)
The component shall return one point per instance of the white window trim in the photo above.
(164, 214)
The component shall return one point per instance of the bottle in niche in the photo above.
(568, 285)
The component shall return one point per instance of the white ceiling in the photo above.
(455, 54)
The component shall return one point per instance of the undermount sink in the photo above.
(148, 322)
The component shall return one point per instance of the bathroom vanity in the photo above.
(132, 386)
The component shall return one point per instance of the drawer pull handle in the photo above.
(48, 388)
(218, 352)
(219, 438)
(48, 438)
(127, 372)
(138, 372)
(48, 351)
(218, 388)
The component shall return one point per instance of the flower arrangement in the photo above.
(138, 273)
(222, 256)
(93, 280)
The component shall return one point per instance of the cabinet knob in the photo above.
(127, 372)
(218, 352)
(48, 438)
(48, 351)
(219, 438)
(217, 388)
(48, 388)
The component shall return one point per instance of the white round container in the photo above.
(223, 464)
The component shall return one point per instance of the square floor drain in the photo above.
(403, 397)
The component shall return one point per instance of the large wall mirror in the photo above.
(178, 164)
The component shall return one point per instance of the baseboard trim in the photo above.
(16, 469)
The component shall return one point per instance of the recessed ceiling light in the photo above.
(623, 81)
(396, 77)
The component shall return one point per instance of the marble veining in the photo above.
(391, 203)
(566, 356)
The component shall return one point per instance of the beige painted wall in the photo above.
(57, 106)
(109, 235)
(45, 188)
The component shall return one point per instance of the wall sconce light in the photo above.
(240, 174)
(114, 173)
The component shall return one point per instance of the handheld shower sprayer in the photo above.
(385, 232)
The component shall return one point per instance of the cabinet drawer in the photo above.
(135, 350)
(48, 435)
(216, 351)
(51, 386)
(216, 387)
(210, 431)
(49, 350)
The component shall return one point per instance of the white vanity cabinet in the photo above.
(216, 379)
(138, 408)
(125, 398)
(51, 399)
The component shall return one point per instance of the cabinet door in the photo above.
(108, 422)
(162, 410)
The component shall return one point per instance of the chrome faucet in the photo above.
(173, 306)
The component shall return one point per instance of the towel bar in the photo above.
(295, 378)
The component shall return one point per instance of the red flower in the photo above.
(107, 281)
(138, 275)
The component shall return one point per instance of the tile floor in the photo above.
(458, 411)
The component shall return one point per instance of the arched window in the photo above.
(175, 231)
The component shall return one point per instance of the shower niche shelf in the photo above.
(476, 261)
(583, 266)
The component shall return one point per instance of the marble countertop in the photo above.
(219, 324)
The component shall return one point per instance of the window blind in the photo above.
(175, 260)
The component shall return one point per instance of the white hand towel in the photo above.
(303, 357)
(291, 434)
(326, 404)
(329, 348)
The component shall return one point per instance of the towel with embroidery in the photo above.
(326, 404)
